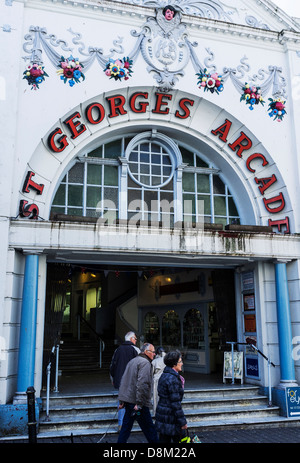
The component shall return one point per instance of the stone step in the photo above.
(97, 411)
(102, 419)
(95, 406)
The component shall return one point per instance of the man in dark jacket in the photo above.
(170, 421)
(122, 355)
(135, 393)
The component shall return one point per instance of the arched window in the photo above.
(148, 177)
(171, 331)
(151, 328)
(193, 330)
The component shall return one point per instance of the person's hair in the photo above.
(160, 350)
(171, 358)
(129, 335)
(169, 7)
(145, 347)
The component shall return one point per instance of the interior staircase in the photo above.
(218, 407)
(83, 356)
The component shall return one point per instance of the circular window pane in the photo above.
(150, 164)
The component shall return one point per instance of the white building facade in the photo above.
(138, 143)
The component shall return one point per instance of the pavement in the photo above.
(265, 435)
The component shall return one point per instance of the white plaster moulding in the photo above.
(138, 16)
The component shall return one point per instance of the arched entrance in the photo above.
(168, 151)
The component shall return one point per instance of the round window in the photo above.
(150, 164)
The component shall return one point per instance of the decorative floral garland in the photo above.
(119, 69)
(252, 96)
(71, 70)
(35, 75)
(277, 109)
(210, 82)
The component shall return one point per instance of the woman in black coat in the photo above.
(169, 419)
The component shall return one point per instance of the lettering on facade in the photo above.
(119, 105)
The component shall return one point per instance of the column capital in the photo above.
(282, 261)
(32, 251)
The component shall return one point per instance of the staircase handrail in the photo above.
(54, 350)
(101, 342)
(266, 358)
(129, 326)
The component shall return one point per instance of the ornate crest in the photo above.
(164, 48)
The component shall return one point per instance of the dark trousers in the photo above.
(144, 420)
(164, 438)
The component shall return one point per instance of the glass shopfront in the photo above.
(183, 327)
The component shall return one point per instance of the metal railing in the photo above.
(54, 351)
(80, 319)
(263, 355)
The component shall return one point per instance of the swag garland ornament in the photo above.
(165, 47)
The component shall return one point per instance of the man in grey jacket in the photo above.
(135, 395)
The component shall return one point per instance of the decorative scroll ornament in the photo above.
(165, 46)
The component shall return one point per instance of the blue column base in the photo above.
(14, 419)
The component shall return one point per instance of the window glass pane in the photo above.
(145, 169)
(150, 198)
(200, 162)
(113, 150)
(92, 213)
(134, 157)
(134, 195)
(75, 211)
(58, 210)
(110, 175)
(151, 328)
(144, 157)
(168, 186)
(193, 330)
(189, 204)
(220, 205)
(206, 200)
(60, 196)
(187, 157)
(155, 158)
(203, 183)
(154, 148)
(232, 207)
(170, 329)
(76, 173)
(111, 194)
(93, 196)
(94, 174)
(96, 153)
(75, 195)
(188, 182)
(219, 187)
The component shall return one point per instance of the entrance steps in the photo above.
(205, 409)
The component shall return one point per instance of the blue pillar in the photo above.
(287, 368)
(28, 324)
